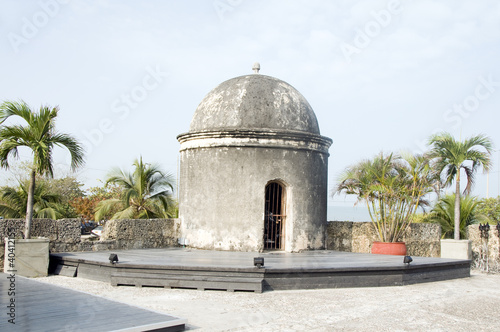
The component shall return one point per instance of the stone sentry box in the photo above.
(247, 133)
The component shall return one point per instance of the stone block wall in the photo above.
(421, 239)
(480, 246)
(61, 233)
(142, 233)
(65, 235)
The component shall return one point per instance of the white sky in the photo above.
(380, 75)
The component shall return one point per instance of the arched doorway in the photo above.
(274, 216)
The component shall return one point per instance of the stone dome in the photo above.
(254, 102)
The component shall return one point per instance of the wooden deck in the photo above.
(234, 271)
(45, 307)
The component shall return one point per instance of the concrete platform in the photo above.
(29, 305)
(234, 271)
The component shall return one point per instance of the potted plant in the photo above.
(393, 188)
(451, 157)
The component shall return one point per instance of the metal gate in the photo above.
(274, 216)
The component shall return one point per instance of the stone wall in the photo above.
(65, 235)
(421, 239)
(142, 233)
(479, 246)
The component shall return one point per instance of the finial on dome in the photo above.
(256, 67)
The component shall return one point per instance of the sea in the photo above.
(347, 213)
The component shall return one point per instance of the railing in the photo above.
(273, 231)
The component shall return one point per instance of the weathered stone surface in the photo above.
(63, 230)
(64, 234)
(363, 235)
(102, 245)
(30, 258)
(254, 101)
(14, 225)
(421, 239)
(482, 248)
(246, 133)
(141, 233)
(339, 236)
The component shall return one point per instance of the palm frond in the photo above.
(146, 191)
(104, 207)
(74, 148)
(19, 108)
(444, 214)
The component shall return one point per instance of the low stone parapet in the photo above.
(65, 234)
(421, 239)
(142, 233)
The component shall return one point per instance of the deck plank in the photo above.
(45, 307)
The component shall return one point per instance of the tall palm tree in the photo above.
(444, 214)
(146, 193)
(40, 136)
(13, 202)
(452, 156)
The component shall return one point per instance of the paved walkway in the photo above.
(467, 304)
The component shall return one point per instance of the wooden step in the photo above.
(200, 282)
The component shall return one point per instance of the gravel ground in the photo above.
(470, 304)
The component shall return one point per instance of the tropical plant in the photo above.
(86, 205)
(450, 157)
(146, 193)
(392, 187)
(13, 202)
(490, 207)
(444, 214)
(419, 218)
(40, 136)
(67, 187)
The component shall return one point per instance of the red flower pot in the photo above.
(389, 248)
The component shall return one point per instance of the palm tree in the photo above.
(452, 156)
(392, 187)
(40, 136)
(444, 214)
(45, 204)
(146, 193)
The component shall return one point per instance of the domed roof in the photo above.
(254, 102)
